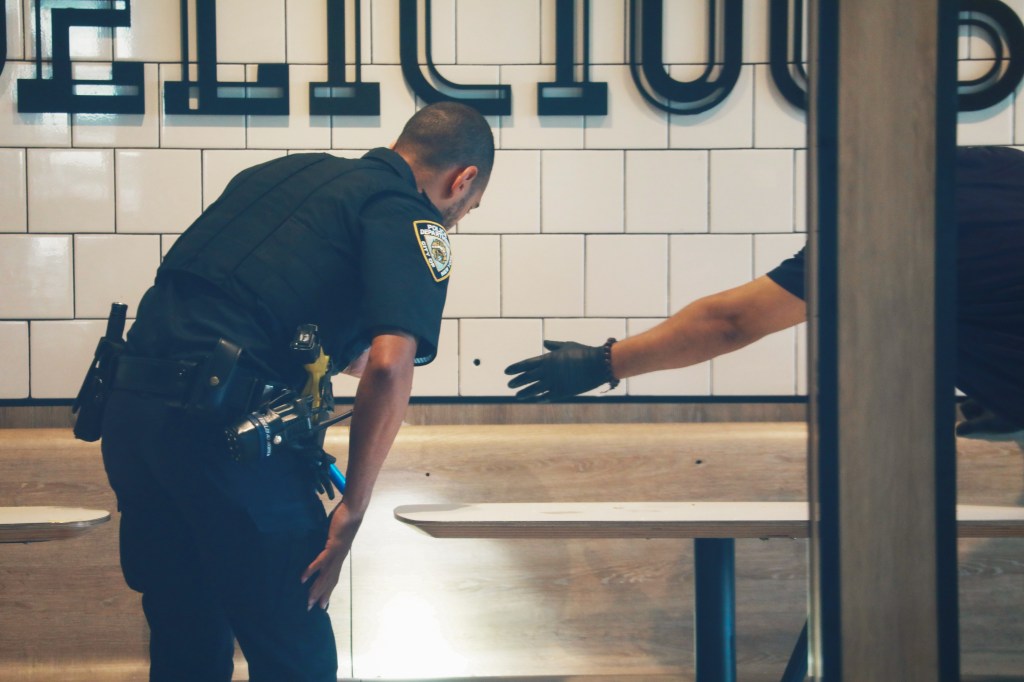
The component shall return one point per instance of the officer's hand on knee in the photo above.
(326, 568)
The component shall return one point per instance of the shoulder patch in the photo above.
(436, 249)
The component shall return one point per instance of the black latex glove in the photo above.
(322, 476)
(980, 422)
(319, 462)
(569, 369)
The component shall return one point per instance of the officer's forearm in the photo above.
(381, 401)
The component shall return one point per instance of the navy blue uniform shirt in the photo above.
(348, 244)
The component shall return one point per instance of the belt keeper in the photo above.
(607, 353)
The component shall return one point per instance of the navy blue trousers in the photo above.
(216, 548)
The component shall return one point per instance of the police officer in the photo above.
(990, 311)
(224, 549)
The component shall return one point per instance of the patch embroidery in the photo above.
(436, 249)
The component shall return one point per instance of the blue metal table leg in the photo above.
(714, 609)
(796, 669)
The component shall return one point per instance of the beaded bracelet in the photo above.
(607, 348)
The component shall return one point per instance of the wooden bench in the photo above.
(713, 526)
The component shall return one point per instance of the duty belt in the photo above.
(218, 388)
(169, 379)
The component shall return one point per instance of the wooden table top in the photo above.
(40, 524)
(658, 520)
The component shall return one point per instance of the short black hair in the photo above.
(449, 134)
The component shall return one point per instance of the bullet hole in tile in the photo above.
(476, 362)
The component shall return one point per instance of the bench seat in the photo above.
(658, 520)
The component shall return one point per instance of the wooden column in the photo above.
(882, 121)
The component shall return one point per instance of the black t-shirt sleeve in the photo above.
(406, 259)
(789, 274)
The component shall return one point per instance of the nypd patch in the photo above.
(437, 250)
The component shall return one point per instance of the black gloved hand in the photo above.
(980, 422)
(569, 369)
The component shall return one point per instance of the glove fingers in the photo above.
(524, 365)
(553, 345)
(530, 392)
(524, 378)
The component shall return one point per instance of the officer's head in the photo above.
(450, 148)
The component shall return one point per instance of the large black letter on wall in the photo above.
(786, 50)
(338, 96)
(124, 93)
(567, 96)
(647, 64)
(1002, 28)
(267, 96)
(489, 100)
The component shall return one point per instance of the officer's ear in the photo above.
(462, 181)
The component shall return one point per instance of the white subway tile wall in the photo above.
(487, 347)
(148, 38)
(113, 267)
(14, 360)
(13, 197)
(542, 276)
(592, 226)
(61, 350)
(474, 287)
(28, 130)
(15, 42)
(157, 190)
(71, 190)
(512, 201)
(582, 191)
(119, 131)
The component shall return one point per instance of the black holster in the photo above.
(91, 401)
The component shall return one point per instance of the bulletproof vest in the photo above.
(283, 241)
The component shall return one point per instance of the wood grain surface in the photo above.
(415, 607)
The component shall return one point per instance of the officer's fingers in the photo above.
(553, 345)
(323, 589)
(314, 567)
(329, 567)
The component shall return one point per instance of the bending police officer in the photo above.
(224, 549)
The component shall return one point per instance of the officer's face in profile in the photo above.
(459, 208)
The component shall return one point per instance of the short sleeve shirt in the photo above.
(360, 240)
(406, 260)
